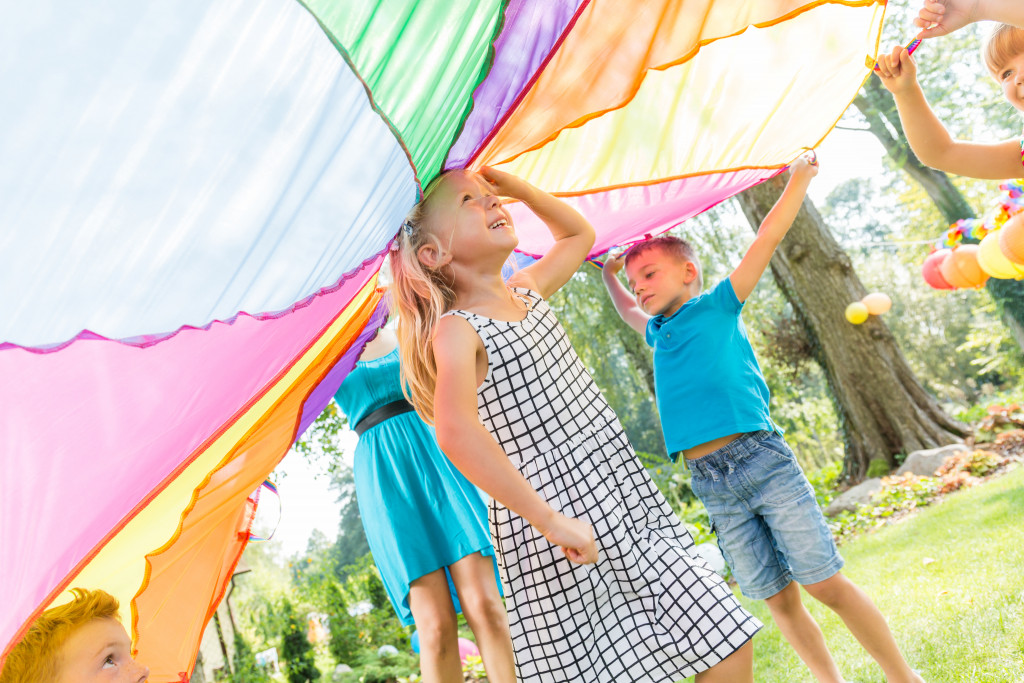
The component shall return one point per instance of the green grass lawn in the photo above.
(958, 619)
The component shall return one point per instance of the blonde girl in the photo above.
(601, 580)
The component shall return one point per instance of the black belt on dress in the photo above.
(385, 412)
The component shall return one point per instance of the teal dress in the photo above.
(420, 514)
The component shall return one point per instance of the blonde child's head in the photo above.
(458, 224)
(663, 273)
(78, 642)
(1004, 56)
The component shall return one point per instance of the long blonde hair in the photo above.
(420, 296)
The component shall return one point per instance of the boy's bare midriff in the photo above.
(703, 449)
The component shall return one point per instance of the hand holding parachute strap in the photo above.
(911, 47)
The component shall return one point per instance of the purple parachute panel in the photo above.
(532, 29)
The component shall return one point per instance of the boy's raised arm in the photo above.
(929, 139)
(625, 303)
(773, 228)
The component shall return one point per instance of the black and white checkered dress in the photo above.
(650, 609)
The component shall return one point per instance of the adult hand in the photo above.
(941, 17)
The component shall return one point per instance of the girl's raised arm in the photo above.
(574, 236)
(476, 454)
(929, 139)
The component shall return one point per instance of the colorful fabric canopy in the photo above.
(196, 197)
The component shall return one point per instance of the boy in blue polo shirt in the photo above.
(713, 402)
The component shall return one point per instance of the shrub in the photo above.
(1001, 418)
(376, 591)
(672, 479)
(368, 667)
(296, 650)
(903, 493)
(824, 480)
(977, 463)
(473, 669)
(696, 520)
(246, 668)
(879, 467)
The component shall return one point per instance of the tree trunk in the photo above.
(883, 409)
(878, 107)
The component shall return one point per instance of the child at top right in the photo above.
(714, 407)
(1004, 57)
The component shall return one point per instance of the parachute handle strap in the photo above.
(268, 485)
(911, 46)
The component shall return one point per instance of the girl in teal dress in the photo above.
(425, 522)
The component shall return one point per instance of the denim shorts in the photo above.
(763, 509)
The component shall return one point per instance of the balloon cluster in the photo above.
(875, 303)
(999, 254)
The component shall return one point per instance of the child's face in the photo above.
(100, 652)
(660, 282)
(1011, 78)
(468, 219)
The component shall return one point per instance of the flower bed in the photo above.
(902, 494)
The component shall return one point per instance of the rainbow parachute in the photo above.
(196, 196)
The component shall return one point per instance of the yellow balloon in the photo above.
(856, 313)
(994, 262)
(877, 303)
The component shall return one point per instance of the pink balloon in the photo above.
(467, 648)
(930, 269)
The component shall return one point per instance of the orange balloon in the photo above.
(961, 269)
(1011, 239)
(877, 303)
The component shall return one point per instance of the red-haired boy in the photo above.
(81, 641)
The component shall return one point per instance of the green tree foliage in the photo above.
(351, 543)
(259, 594)
(246, 670)
(321, 447)
(321, 443)
(296, 650)
(344, 643)
(375, 590)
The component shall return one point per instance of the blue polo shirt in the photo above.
(706, 377)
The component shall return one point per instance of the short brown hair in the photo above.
(675, 247)
(37, 658)
(1005, 43)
